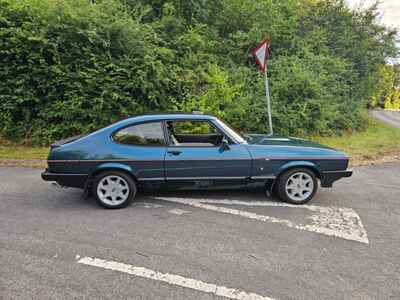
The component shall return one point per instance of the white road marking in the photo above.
(172, 279)
(341, 222)
(177, 211)
(151, 205)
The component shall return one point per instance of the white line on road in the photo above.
(177, 211)
(151, 205)
(172, 279)
(341, 222)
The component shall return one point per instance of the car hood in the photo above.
(264, 139)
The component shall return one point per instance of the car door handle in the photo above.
(174, 152)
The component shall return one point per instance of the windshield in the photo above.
(232, 132)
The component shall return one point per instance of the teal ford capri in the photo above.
(190, 151)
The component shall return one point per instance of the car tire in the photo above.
(297, 186)
(114, 189)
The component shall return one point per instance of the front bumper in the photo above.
(329, 177)
(66, 179)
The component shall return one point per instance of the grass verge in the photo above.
(12, 154)
(378, 143)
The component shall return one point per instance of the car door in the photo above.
(197, 155)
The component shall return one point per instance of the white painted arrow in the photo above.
(341, 222)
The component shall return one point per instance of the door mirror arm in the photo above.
(224, 144)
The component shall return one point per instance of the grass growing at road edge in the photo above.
(377, 142)
(9, 150)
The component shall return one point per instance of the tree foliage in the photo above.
(70, 66)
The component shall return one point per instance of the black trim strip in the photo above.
(263, 177)
(100, 160)
(63, 161)
(63, 174)
(152, 179)
(337, 171)
(207, 178)
(196, 159)
(303, 158)
(129, 160)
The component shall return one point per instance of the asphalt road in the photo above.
(345, 245)
(389, 117)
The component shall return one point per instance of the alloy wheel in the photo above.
(299, 186)
(113, 190)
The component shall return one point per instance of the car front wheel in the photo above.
(114, 189)
(297, 186)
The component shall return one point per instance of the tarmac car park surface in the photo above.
(201, 245)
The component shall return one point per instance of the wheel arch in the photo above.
(128, 170)
(294, 165)
(299, 164)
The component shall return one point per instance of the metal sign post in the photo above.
(261, 54)
(271, 131)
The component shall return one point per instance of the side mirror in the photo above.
(224, 144)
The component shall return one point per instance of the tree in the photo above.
(72, 66)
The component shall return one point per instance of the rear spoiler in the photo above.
(66, 141)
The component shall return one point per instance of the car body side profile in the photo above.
(189, 151)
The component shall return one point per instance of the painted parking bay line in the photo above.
(172, 279)
(340, 222)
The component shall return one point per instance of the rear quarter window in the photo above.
(150, 134)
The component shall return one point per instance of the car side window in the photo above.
(193, 127)
(193, 133)
(150, 134)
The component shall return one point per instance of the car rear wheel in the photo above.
(114, 189)
(297, 186)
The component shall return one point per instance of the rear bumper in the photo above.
(329, 177)
(66, 179)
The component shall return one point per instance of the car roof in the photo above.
(166, 116)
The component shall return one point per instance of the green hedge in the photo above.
(72, 66)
